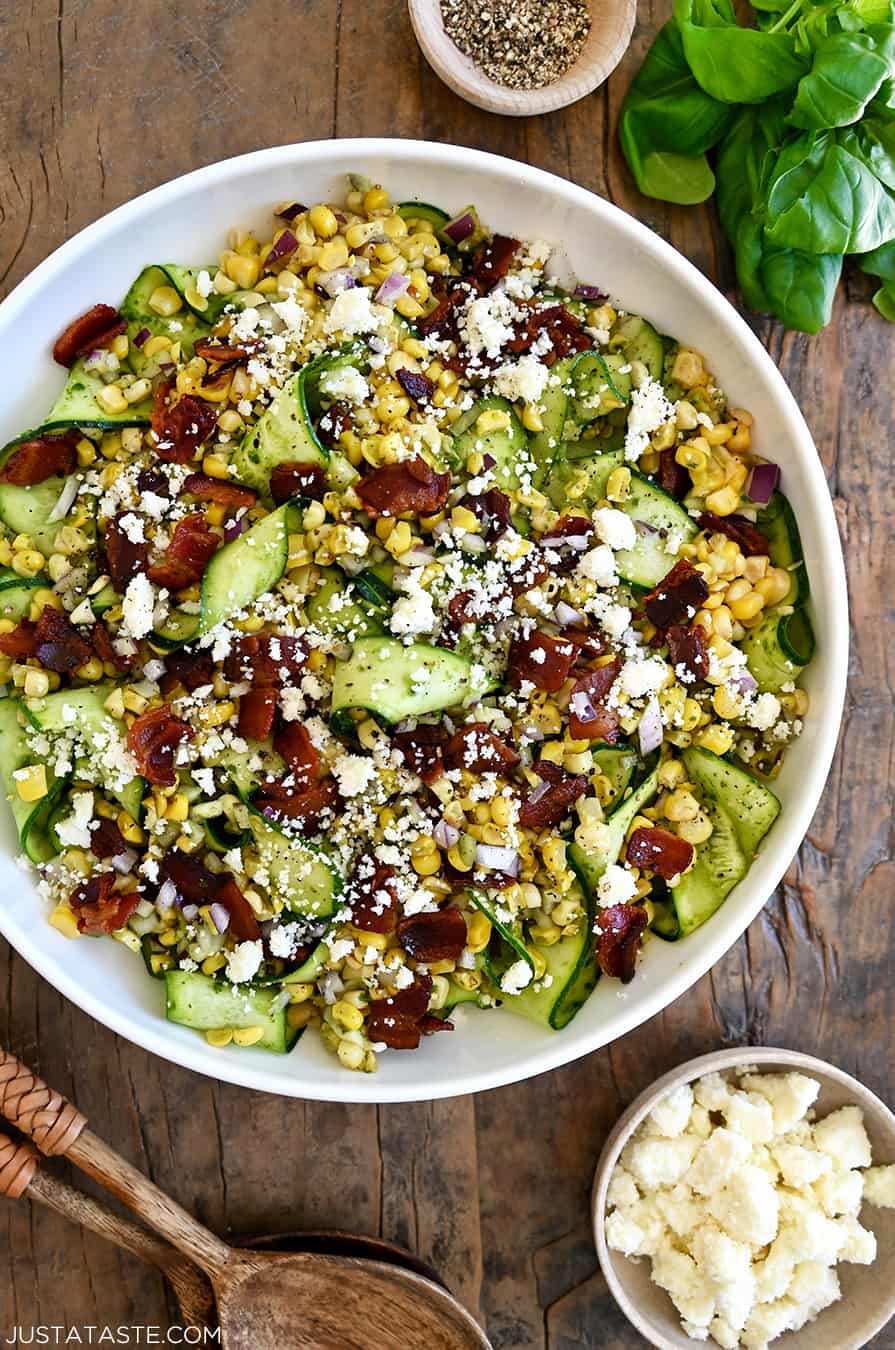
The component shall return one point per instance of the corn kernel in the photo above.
(492, 419)
(165, 301)
(130, 830)
(219, 1037)
(323, 221)
(63, 919)
(347, 1015)
(111, 400)
(136, 392)
(680, 805)
(31, 782)
(463, 519)
(723, 502)
(697, 830)
(247, 1035)
(350, 1056)
(618, 485)
(37, 684)
(478, 931)
(717, 738)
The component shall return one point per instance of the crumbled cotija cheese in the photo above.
(744, 1203)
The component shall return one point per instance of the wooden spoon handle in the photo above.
(58, 1127)
(35, 1109)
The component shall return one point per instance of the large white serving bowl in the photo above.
(186, 221)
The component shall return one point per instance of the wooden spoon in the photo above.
(19, 1176)
(265, 1300)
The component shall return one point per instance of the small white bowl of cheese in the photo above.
(747, 1198)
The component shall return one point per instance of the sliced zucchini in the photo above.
(310, 969)
(617, 763)
(30, 817)
(76, 406)
(777, 523)
(589, 867)
(16, 601)
(338, 608)
(662, 526)
(27, 510)
(569, 980)
(248, 769)
(197, 1001)
(741, 811)
(300, 875)
(433, 216)
(601, 384)
(83, 711)
(395, 682)
(546, 446)
(376, 584)
(244, 569)
(285, 432)
(184, 279)
(506, 946)
(780, 647)
(507, 445)
(665, 922)
(581, 481)
(183, 327)
(640, 342)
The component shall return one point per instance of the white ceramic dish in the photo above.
(868, 1292)
(610, 32)
(186, 221)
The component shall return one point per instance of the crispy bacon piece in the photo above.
(19, 643)
(673, 477)
(416, 386)
(58, 645)
(40, 458)
(196, 885)
(292, 740)
(492, 262)
(303, 809)
(153, 479)
(266, 658)
(437, 935)
(589, 718)
(677, 596)
(294, 479)
(152, 740)
(477, 748)
(409, 486)
(422, 750)
(124, 556)
(373, 898)
(618, 939)
(660, 851)
(493, 509)
(106, 651)
(257, 712)
(336, 420)
(441, 321)
(98, 909)
(751, 541)
(430, 1022)
(396, 1020)
(106, 840)
(570, 537)
(552, 800)
(181, 429)
(192, 669)
(540, 659)
(187, 556)
(527, 572)
(213, 349)
(566, 333)
(687, 647)
(94, 329)
(218, 490)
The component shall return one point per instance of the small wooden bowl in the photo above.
(610, 32)
(868, 1292)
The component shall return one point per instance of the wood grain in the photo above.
(100, 101)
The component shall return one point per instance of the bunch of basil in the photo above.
(799, 114)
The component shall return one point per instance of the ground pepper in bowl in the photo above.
(526, 45)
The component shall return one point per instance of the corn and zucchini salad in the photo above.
(388, 624)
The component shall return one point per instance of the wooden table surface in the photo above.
(100, 101)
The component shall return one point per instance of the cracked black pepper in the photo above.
(524, 45)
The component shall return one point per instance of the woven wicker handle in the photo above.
(18, 1163)
(26, 1102)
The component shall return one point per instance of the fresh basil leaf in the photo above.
(800, 286)
(733, 64)
(682, 179)
(847, 71)
(873, 11)
(827, 201)
(672, 111)
(755, 132)
(880, 262)
(749, 256)
(873, 142)
(884, 300)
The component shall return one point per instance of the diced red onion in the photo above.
(642, 527)
(576, 542)
(289, 210)
(582, 708)
(99, 360)
(141, 337)
(124, 861)
(488, 461)
(167, 895)
(537, 793)
(334, 282)
(234, 528)
(763, 482)
(441, 529)
(392, 288)
(282, 248)
(66, 499)
(418, 557)
(459, 227)
(745, 683)
(220, 916)
(584, 292)
(190, 912)
(445, 835)
(649, 732)
(496, 858)
(565, 615)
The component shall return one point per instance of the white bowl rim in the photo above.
(764, 1057)
(793, 824)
